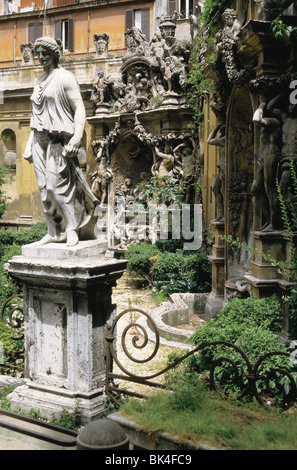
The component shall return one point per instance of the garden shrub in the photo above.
(6, 339)
(139, 256)
(264, 312)
(11, 245)
(250, 324)
(170, 271)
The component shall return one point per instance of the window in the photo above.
(140, 19)
(35, 31)
(64, 31)
(184, 7)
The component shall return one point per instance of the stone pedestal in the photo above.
(67, 304)
(265, 278)
(170, 99)
(215, 299)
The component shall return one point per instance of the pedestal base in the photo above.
(215, 300)
(170, 99)
(214, 304)
(53, 401)
(67, 305)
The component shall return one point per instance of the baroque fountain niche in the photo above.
(141, 123)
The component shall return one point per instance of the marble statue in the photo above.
(57, 126)
(100, 90)
(102, 176)
(286, 113)
(269, 155)
(218, 138)
(225, 43)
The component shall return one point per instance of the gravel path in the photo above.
(126, 295)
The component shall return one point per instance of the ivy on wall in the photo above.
(202, 56)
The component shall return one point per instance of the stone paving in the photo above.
(127, 295)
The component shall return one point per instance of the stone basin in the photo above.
(172, 317)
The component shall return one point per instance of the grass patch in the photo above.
(193, 412)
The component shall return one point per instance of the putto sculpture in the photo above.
(154, 73)
(57, 126)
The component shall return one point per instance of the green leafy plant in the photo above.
(170, 271)
(4, 174)
(251, 325)
(289, 216)
(199, 84)
(282, 30)
(193, 412)
(161, 190)
(11, 245)
(69, 418)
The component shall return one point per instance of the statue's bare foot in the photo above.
(268, 228)
(72, 238)
(44, 241)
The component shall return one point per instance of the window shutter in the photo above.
(145, 22)
(70, 35)
(172, 6)
(35, 31)
(58, 29)
(128, 19)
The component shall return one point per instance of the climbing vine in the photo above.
(282, 30)
(200, 84)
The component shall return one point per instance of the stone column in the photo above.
(67, 304)
(215, 299)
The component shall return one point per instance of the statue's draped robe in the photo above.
(67, 200)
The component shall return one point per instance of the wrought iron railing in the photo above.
(264, 383)
(12, 316)
(263, 379)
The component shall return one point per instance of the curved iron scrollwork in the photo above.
(250, 379)
(11, 314)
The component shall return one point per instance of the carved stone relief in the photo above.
(153, 73)
(239, 179)
(153, 76)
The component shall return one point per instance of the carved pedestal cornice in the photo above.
(257, 44)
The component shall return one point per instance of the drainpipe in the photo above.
(89, 28)
(14, 42)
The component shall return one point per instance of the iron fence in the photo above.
(263, 379)
(266, 383)
(12, 316)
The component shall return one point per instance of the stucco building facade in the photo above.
(76, 25)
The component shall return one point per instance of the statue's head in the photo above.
(50, 45)
(229, 16)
